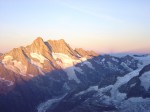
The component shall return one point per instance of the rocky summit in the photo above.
(50, 76)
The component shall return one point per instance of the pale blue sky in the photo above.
(100, 25)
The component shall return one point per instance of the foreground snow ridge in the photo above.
(45, 105)
(137, 104)
(145, 80)
(92, 88)
(116, 95)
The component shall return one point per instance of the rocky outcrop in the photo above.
(83, 52)
(38, 46)
(60, 46)
(18, 55)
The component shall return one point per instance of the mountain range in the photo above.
(50, 76)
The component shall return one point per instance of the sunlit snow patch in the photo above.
(87, 63)
(40, 57)
(14, 65)
(67, 63)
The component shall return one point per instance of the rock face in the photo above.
(60, 46)
(49, 76)
(83, 52)
(38, 46)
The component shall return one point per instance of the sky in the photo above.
(105, 26)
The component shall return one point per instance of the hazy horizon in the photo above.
(103, 26)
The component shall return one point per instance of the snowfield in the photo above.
(45, 105)
(14, 65)
(115, 94)
(40, 57)
(145, 80)
(68, 64)
(136, 104)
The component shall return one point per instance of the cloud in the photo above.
(92, 13)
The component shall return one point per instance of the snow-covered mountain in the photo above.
(50, 76)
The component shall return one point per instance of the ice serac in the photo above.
(83, 52)
(60, 46)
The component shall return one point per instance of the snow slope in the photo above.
(145, 80)
(45, 105)
(14, 65)
(40, 57)
(68, 64)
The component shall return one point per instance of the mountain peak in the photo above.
(62, 40)
(38, 40)
(38, 45)
(18, 55)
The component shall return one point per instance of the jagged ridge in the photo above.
(37, 58)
